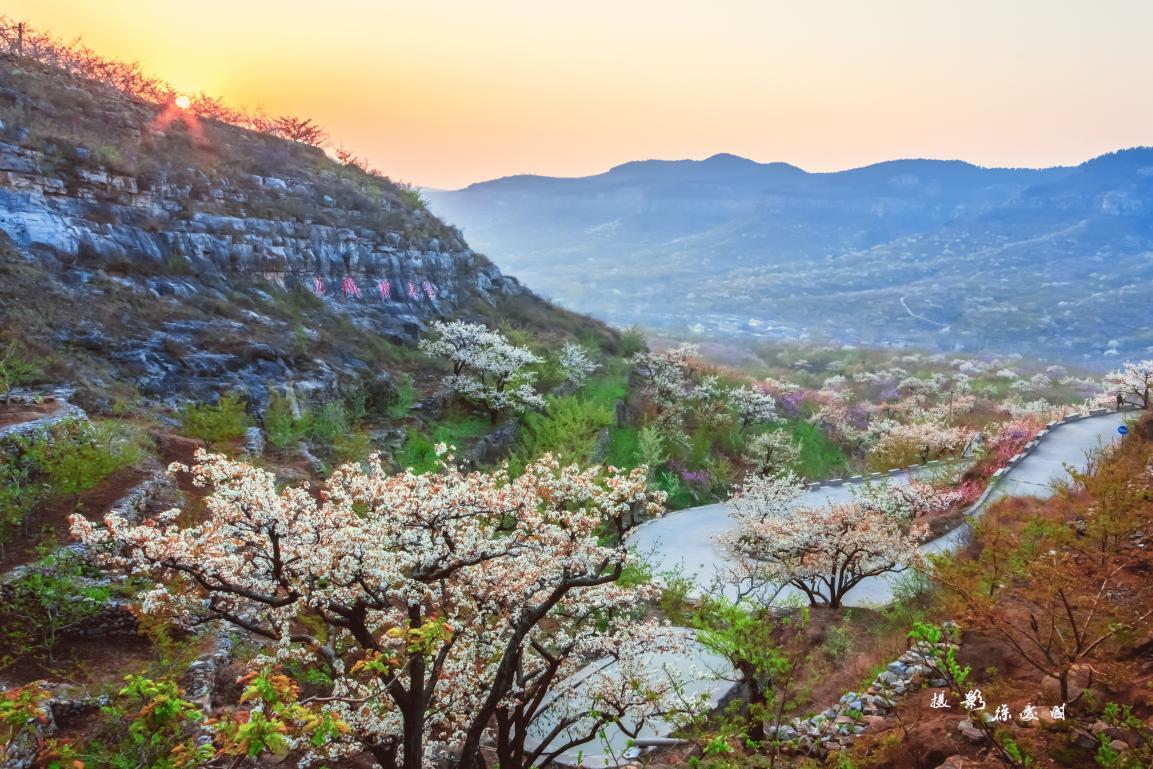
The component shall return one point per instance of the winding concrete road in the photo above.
(685, 541)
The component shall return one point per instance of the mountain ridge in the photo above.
(747, 247)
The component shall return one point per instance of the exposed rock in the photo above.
(254, 441)
(495, 445)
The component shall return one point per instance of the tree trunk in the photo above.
(385, 755)
(756, 701)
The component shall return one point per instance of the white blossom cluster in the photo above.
(470, 594)
(824, 551)
(486, 367)
(1133, 380)
(576, 363)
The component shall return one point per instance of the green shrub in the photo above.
(16, 370)
(19, 491)
(327, 423)
(419, 450)
(213, 423)
(351, 447)
(281, 427)
(405, 397)
(568, 429)
(838, 642)
(148, 725)
(412, 197)
(651, 448)
(418, 453)
(633, 341)
(49, 599)
(624, 447)
(74, 456)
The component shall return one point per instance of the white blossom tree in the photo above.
(1133, 378)
(751, 406)
(668, 381)
(904, 502)
(823, 551)
(773, 451)
(486, 368)
(443, 606)
(576, 363)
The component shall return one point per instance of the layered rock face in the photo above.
(201, 257)
(93, 219)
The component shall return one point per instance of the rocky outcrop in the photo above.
(193, 232)
(837, 726)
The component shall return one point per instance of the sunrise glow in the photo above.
(453, 92)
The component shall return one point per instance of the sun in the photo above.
(183, 102)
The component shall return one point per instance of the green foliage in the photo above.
(20, 709)
(405, 396)
(947, 663)
(419, 450)
(412, 197)
(148, 725)
(327, 423)
(275, 719)
(624, 447)
(281, 427)
(19, 491)
(679, 494)
(766, 651)
(51, 597)
(633, 341)
(820, 456)
(16, 370)
(568, 429)
(352, 446)
(1140, 752)
(330, 425)
(651, 448)
(213, 423)
(838, 642)
(74, 456)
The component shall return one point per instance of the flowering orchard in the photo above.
(442, 607)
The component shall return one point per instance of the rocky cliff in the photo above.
(192, 256)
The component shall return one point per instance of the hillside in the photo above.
(146, 254)
(942, 253)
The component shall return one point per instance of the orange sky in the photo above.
(447, 92)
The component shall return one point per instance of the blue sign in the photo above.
(1123, 430)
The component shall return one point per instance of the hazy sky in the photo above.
(447, 92)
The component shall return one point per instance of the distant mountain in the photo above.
(1047, 261)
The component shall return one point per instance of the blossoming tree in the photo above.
(823, 551)
(443, 607)
(750, 405)
(773, 451)
(486, 367)
(1133, 378)
(576, 363)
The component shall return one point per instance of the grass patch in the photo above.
(820, 456)
(624, 447)
(419, 451)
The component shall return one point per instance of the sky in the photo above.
(444, 93)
